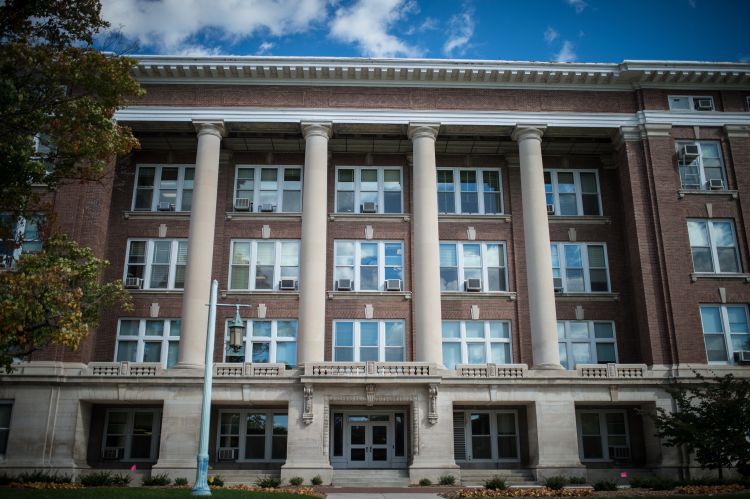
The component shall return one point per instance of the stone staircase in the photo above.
(247, 477)
(371, 478)
(511, 476)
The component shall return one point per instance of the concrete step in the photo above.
(511, 476)
(371, 478)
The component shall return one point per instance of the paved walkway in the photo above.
(383, 495)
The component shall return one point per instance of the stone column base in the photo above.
(176, 468)
(541, 473)
(433, 473)
(307, 473)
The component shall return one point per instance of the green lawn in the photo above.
(134, 493)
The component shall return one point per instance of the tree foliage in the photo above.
(712, 420)
(53, 296)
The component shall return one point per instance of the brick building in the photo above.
(454, 267)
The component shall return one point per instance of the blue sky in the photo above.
(542, 30)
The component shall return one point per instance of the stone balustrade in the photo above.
(492, 370)
(234, 370)
(107, 369)
(611, 370)
(385, 369)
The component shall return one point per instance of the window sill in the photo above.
(272, 294)
(254, 215)
(156, 215)
(695, 276)
(472, 217)
(155, 291)
(731, 193)
(339, 295)
(369, 217)
(588, 296)
(582, 219)
(469, 295)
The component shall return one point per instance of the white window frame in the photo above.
(148, 265)
(592, 340)
(603, 433)
(273, 340)
(166, 339)
(493, 436)
(585, 263)
(458, 209)
(691, 102)
(253, 264)
(358, 262)
(18, 230)
(703, 182)
(727, 334)
(485, 267)
(267, 450)
(281, 186)
(156, 188)
(155, 433)
(5, 431)
(714, 249)
(488, 341)
(356, 339)
(747, 102)
(553, 172)
(358, 188)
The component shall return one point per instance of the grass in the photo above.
(134, 493)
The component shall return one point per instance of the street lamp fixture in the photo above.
(236, 331)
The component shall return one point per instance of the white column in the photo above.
(200, 246)
(542, 311)
(426, 257)
(312, 282)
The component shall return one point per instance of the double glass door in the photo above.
(370, 439)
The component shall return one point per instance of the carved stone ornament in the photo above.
(307, 415)
(432, 415)
(370, 392)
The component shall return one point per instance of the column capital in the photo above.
(422, 130)
(525, 132)
(212, 127)
(317, 128)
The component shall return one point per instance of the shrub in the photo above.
(121, 479)
(267, 482)
(577, 480)
(180, 482)
(41, 476)
(296, 481)
(425, 482)
(605, 485)
(447, 480)
(215, 481)
(316, 480)
(97, 479)
(555, 482)
(5, 479)
(157, 480)
(653, 483)
(495, 483)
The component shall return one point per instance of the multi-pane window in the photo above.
(17, 236)
(572, 192)
(714, 246)
(473, 266)
(263, 265)
(273, 341)
(360, 341)
(368, 190)
(252, 435)
(490, 435)
(164, 188)
(603, 435)
(586, 342)
(268, 189)
(476, 342)
(148, 340)
(367, 265)
(131, 434)
(6, 408)
(580, 267)
(725, 331)
(691, 103)
(156, 264)
(701, 166)
(469, 191)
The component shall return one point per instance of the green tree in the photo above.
(712, 420)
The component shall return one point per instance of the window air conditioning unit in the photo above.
(689, 153)
(704, 104)
(113, 452)
(133, 283)
(393, 284)
(227, 454)
(165, 206)
(716, 184)
(266, 208)
(368, 208)
(242, 204)
(742, 357)
(550, 209)
(619, 453)
(344, 285)
(288, 284)
(473, 285)
(557, 284)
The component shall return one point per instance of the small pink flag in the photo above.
(132, 468)
(623, 474)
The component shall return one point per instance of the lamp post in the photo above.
(236, 335)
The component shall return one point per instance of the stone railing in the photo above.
(234, 370)
(106, 369)
(611, 370)
(492, 370)
(385, 369)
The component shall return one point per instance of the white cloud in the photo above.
(197, 51)
(579, 5)
(550, 34)
(460, 31)
(171, 25)
(429, 24)
(566, 54)
(367, 23)
(692, 3)
(265, 48)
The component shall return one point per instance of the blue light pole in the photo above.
(236, 327)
